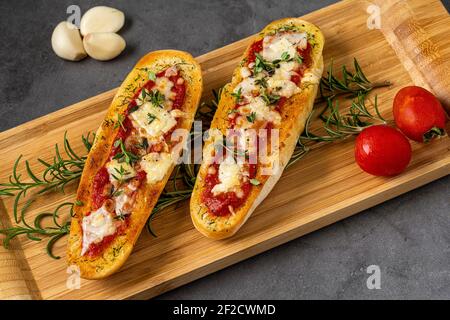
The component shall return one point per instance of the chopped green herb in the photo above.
(125, 156)
(143, 144)
(119, 122)
(284, 28)
(121, 174)
(237, 95)
(255, 182)
(299, 59)
(79, 203)
(120, 216)
(270, 98)
(261, 82)
(153, 96)
(117, 193)
(285, 56)
(251, 117)
(152, 75)
(133, 109)
(144, 93)
(151, 118)
(260, 64)
(157, 98)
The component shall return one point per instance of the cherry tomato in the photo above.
(382, 151)
(419, 114)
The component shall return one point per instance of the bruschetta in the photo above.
(271, 94)
(133, 155)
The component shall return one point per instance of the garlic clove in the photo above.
(67, 43)
(103, 45)
(101, 19)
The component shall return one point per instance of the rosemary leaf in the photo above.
(55, 175)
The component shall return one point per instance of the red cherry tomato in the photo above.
(418, 114)
(382, 151)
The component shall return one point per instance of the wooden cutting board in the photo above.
(326, 186)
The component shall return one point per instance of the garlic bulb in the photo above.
(103, 45)
(67, 43)
(101, 19)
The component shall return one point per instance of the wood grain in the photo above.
(326, 186)
(419, 54)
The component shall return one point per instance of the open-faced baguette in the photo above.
(110, 235)
(292, 115)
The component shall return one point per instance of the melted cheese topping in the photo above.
(214, 137)
(300, 40)
(155, 120)
(284, 72)
(273, 48)
(229, 176)
(261, 110)
(277, 83)
(121, 200)
(246, 86)
(152, 122)
(156, 165)
(96, 226)
(120, 170)
(245, 72)
(280, 50)
(164, 85)
(285, 88)
(312, 77)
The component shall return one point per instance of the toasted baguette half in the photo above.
(117, 252)
(294, 114)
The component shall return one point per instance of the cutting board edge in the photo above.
(109, 94)
(324, 221)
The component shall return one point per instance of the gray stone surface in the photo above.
(408, 237)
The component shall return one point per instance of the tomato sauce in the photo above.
(280, 104)
(123, 133)
(256, 47)
(121, 225)
(219, 205)
(101, 179)
(180, 92)
(306, 56)
(95, 249)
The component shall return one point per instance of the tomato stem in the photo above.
(433, 132)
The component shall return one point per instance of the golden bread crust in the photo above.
(116, 254)
(294, 115)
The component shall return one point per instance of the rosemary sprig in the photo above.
(300, 151)
(340, 125)
(37, 231)
(351, 85)
(124, 156)
(55, 176)
(337, 124)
